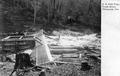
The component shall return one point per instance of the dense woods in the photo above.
(19, 15)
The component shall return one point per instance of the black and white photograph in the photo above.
(50, 37)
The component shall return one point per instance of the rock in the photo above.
(85, 66)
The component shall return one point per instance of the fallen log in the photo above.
(61, 62)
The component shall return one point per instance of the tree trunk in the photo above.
(35, 12)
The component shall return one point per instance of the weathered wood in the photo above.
(70, 55)
(64, 47)
(76, 60)
(22, 62)
(9, 43)
(62, 62)
(63, 51)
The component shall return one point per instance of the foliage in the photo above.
(51, 13)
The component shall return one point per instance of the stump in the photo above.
(22, 61)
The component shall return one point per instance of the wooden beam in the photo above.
(65, 47)
(63, 51)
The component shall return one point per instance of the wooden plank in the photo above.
(61, 62)
(64, 47)
(69, 59)
(9, 43)
(27, 39)
(70, 55)
(63, 51)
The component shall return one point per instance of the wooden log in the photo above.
(70, 55)
(62, 62)
(64, 47)
(76, 60)
(63, 51)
